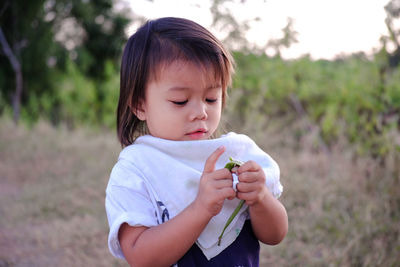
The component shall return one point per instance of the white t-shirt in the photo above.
(155, 179)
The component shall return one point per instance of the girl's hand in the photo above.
(268, 216)
(215, 186)
(251, 186)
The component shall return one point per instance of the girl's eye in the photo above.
(179, 103)
(211, 100)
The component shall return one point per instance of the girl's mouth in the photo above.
(198, 134)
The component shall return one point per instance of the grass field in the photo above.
(343, 210)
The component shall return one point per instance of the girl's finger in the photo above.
(246, 187)
(250, 177)
(227, 192)
(209, 166)
(222, 174)
(219, 184)
(247, 196)
(249, 166)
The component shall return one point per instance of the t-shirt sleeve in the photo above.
(272, 174)
(127, 201)
(270, 168)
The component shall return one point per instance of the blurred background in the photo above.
(317, 85)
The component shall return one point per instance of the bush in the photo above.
(348, 98)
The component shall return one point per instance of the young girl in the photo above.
(169, 195)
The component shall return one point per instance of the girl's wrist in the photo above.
(198, 210)
(264, 201)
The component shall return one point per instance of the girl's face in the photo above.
(182, 103)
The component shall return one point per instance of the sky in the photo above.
(326, 28)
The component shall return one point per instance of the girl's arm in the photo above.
(165, 244)
(268, 216)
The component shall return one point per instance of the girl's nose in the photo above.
(199, 112)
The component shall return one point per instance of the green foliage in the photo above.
(78, 97)
(353, 97)
(44, 36)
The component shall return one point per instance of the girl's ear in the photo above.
(139, 111)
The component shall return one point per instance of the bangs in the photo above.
(196, 46)
(168, 53)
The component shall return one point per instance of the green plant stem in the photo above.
(234, 213)
(230, 165)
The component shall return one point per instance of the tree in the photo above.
(43, 35)
(289, 37)
(393, 14)
(225, 21)
(15, 39)
(16, 66)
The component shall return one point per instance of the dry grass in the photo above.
(342, 211)
(52, 184)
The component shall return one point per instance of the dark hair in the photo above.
(158, 42)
